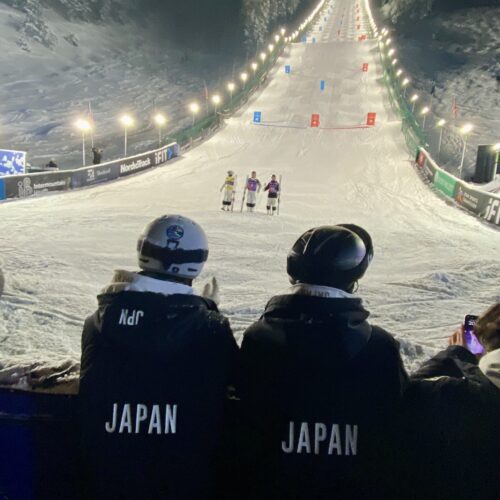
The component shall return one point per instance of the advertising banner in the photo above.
(94, 175)
(2, 190)
(445, 183)
(12, 162)
(24, 186)
(482, 203)
(139, 163)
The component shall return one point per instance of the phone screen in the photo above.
(470, 338)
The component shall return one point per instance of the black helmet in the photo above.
(335, 256)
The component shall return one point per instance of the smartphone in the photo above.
(470, 337)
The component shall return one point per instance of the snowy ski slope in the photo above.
(433, 263)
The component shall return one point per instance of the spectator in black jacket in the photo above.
(156, 363)
(451, 425)
(320, 385)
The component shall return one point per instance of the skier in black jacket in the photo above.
(320, 385)
(450, 425)
(156, 364)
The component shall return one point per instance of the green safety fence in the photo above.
(411, 129)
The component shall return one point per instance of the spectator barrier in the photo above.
(481, 203)
(27, 185)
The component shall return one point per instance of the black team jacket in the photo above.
(451, 430)
(319, 391)
(154, 375)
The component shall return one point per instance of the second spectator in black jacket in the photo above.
(320, 385)
(451, 420)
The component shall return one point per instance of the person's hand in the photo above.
(458, 338)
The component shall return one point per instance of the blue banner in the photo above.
(288, 69)
(257, 117)
(322, 85)
(2, 190)
(12, 162)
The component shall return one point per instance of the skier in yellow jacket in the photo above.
(228, 187)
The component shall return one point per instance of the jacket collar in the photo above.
(134, 282)
(490, 366)
(318, 291)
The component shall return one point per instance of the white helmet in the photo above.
(173, 245)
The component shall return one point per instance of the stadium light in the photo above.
(127, 121)
(391, 51)
(231, 86)
(83, 126)
(424, 112)
(254, 66)
(276, 38)
(160, 120)
(413, 99)
(465, 131)
(388, 42)
(263, 56)
(194, 107)
(244, 78)
(441, 123)
(270, 47)
(496, 147)
(394, 61)
(283, 31)
(216, 99)
(399, 72)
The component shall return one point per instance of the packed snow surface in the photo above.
(433, 263)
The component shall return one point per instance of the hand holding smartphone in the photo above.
(470, 338)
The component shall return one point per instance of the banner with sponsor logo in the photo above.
(138, 163)
(445, 183)
(94, 175)
(485, 205)
(24, 186)
(12, 162)
(482, 203)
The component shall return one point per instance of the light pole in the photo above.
(465, 131)
(424, 112)
(83, 126)
(231, 86)
(194, 107)
(441, 123)
(216, 100)
(405, 82)
(244, 78)
(127, 121)
(413, 99)
(160, 121)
